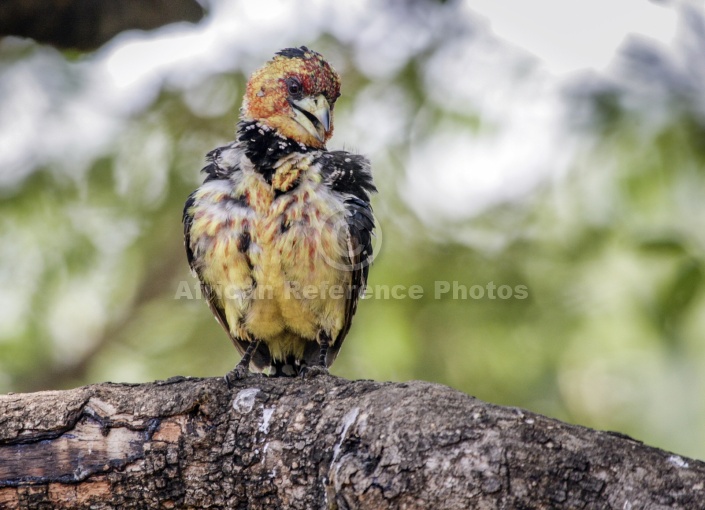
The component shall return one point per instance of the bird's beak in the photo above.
(313, 113)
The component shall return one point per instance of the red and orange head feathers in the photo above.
(294, 93)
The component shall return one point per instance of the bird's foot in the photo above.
(310, 372)
(242, 369)
(236, 374)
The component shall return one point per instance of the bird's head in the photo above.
(294, 93)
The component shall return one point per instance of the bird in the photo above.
(280, 233)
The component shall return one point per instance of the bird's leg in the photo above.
(242, 369)
(324, 342)
(321, 368)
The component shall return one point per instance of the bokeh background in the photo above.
(551, 145)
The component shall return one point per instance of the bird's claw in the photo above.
(310, 372)
(236, 374)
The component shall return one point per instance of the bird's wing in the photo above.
(349, 175)
(360, 230)
(216, 170)
(207, 291)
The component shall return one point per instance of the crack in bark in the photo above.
(59, 445)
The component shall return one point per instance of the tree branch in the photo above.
(87, 24)
(321, 443)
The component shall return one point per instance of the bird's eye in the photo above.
(294, 86)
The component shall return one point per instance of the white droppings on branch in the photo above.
(677, 461)
(245, 400)
(348, 420)
(266, 416)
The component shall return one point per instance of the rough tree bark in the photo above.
(317, 444)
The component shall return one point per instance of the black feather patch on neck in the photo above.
(265, 147)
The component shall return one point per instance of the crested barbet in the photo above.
(280, 232)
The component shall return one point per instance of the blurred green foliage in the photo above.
(611, 253)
